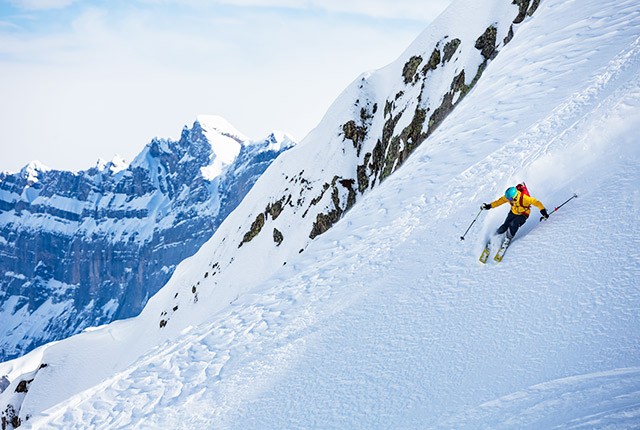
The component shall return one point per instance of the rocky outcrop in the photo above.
(431, 81)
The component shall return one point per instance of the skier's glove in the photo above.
(544, 214)
(487, 206)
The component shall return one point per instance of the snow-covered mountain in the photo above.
(338, 294)
(82, 249)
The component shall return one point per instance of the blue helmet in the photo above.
(511, 192)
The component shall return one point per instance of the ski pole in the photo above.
(572, 197)
(472, 222)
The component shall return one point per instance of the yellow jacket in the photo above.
(519, 206)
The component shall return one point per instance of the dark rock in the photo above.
(324, 222)
(441, 112)
(277, 236)
(523, 5)
(23, 386)
(534, 7)
(410, 68)
(10, 417)
(434, 61)
(362, 176)
(316, 199)
(355, 133)
(275, 209)
(458, 83)
(358, 132)
(509, 35)
(487, 42)
(449, 49)
(255, 229)
(388, 107)
(350, 129)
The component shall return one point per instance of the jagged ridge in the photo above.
(82, 249)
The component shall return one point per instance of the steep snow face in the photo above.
(82, 249)
(387, 320)
(32, 171)
(214, 126)
(116, 164)
(225, 143)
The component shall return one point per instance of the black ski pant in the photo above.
(512, 223)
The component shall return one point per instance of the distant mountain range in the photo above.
(81, 249)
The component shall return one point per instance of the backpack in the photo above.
(523, 191)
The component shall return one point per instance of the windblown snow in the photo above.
(225, 140)
(388, 320)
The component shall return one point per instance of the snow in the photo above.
(117, 164)
(65, 204)
(225, 142)
(388, 320)
(31, 170)
(110, 307)
(15, 368)
(17, 312)
(219, 125)
(8, 196)
(212, 171)
(278, 139)
(101, 164)
(12, 274)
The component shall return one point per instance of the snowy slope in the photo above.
(387, 320)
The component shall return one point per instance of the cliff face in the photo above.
(82, 249)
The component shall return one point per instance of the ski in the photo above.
(503, 249)
(485, 253)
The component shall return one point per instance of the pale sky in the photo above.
(88, 79)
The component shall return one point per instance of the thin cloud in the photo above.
(400, 9)
(8, 25)
(42, 4)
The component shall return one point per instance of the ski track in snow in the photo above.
(599, 400)
(460, 345)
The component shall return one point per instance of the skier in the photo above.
(521, 203)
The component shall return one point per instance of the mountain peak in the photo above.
(116, 164)
(225, 140)
(217, 124)
(30, 171)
